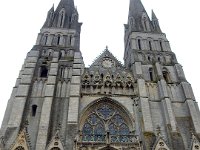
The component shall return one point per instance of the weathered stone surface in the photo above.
(73, 109)
(22, 90)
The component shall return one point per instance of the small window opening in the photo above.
(34, 110)
(58, 40)
(150, 45)
(166, 76)
(149, 58)
(102, 76)
(91, 75)
(43, 72)
(62, 72)
(45, 39)
(151, 74)
(159, 59)
(60, 55)
(161, 46)
(139, 44)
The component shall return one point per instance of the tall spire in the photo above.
(136, 8)
(155, 22)
(153, 17)
(65, 16)
(138, 17)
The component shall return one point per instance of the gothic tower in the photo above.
(59, 104)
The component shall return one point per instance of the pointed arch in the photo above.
(151, 74)
(103, 117)
(166, 75)
(21, 142)
(160, 144)
(195, 144)
(55, 143)
(61, 18)
(145, 22)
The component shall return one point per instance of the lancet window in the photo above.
(103, 121)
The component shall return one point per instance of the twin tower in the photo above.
(58, 104)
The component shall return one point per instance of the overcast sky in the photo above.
(103, 21)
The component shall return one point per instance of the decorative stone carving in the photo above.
(195, 144)
(55, 143)
(21, 142)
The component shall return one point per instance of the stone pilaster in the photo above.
(47, 105)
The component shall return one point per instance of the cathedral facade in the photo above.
(59, 104)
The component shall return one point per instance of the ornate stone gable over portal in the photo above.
(59, 104)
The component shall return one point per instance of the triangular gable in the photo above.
(55, 142)
(195, 144)
(21, 141)
(104, 59)
(160, 144)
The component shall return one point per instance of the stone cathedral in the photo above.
(59, 104)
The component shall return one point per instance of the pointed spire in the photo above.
(138, 17)
(136, 8)
(155, 22)
(153, 16)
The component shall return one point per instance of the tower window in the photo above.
(43, 72)
(166, 75)
(151, 73)
(58, 40)
(62, 19)
(139, 44)
(34, 110)
(45, 39)
(62, 72)
(150, 45)
(161, 46)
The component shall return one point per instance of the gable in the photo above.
(106, 60)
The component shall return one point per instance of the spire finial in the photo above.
(106, 47)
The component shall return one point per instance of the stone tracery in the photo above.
(105, 119)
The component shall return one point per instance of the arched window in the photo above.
(45, 39)
(106, 119)
(139, 44)
(34, 110)
(43, 71)
(58, 39)
(151, 74)
(62, 71)
(61, 18)
(161, 46)
(20, 148)
(166, 75)
(150, 45)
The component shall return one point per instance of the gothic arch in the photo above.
(145, 22)
(21, 141)
(61, 18)
(105, 116)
